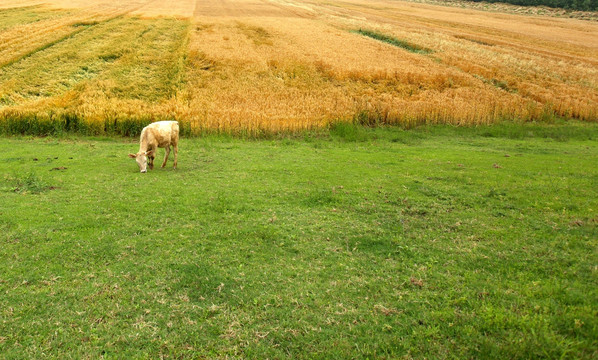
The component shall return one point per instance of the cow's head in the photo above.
(141, 158)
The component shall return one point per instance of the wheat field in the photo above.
(267, 66)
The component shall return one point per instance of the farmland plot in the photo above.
(267, 66)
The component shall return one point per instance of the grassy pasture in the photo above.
(438, 242)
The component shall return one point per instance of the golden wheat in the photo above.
(289, 65)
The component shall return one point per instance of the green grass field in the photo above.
(438, 242)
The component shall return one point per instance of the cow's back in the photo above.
(165, 133)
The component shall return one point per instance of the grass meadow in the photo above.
(357, 179)
(254, 67)
(437, 242)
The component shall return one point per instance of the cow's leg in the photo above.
(150, 162)
(175, 146)
(167, 152)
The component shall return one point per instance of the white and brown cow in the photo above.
(159, 134)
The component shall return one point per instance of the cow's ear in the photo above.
(149, 153)
(132, 156)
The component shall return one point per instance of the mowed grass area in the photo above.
(439, 242)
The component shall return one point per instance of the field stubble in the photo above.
(255, 67)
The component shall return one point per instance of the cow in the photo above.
(159, 134)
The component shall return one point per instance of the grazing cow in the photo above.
(159, 134)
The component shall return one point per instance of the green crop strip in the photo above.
(414, 48)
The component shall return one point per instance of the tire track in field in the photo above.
(126, 59)
(50, 25)
(88, 22)
(9, 46)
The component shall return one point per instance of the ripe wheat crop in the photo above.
(249, 66)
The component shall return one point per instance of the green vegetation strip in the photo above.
(361, 243)
(42, 47)
(141, 58)
(79, 27)
(583, 5)
(394, 41)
